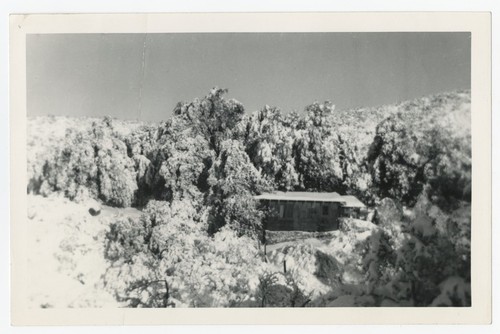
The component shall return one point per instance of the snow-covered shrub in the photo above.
(388, 212)
(89, 161)
(328, 269)
(73, 167)
(279, 290)
(406, 262)
(167, 258)
(125, 239)
(228, 271)
(311, 269)
(430, 255)
(379, 261)
(356, 226)
(454, 292)
(150, 256)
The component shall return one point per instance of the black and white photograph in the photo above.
(322, 169)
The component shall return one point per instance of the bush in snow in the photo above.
(167, 259)
(429, 256)
(278, 290)
(379, 262)
(388, 212)
(150, 255)
(92, 163)
(409, 262)
(454, 292)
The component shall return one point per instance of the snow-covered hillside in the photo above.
(180, 225)
(66, 252)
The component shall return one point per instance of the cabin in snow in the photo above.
(308, 211)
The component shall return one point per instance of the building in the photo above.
(352, 206)
(308, 211)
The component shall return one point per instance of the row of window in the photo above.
(285, 210)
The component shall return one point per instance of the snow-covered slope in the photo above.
(65, 259)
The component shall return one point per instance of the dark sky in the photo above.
(102, 74)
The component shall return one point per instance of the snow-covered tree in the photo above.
(116, 175)
(142, 147)
(233, 181)
(92, 163)
(183, 169)
(213, 117)
(269, 139)
(426, 143)
(325, 160)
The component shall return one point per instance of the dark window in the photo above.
(325, 210)
(273, 209)
(282, 210)
(289, 210)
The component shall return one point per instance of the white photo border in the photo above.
(477, 23)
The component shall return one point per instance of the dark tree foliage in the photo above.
(142, 147)
(233, 180)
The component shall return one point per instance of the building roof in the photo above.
(352, 202)
(301, 196)
(347, 201)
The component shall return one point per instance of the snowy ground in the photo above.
(344, 247)
(66, 253)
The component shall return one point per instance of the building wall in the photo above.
(303, 216)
